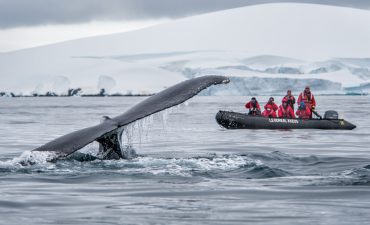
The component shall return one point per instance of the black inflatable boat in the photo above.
(233, 120)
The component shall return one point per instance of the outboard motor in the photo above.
(331, 115)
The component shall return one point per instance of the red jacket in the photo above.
(273, 105)
(269, 113)
(290, 100)
(249, 106)
(309, 99)
(303, 113)
(286, 113)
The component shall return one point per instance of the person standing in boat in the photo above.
(290, 99)
(303, 112)
(254, 107)
(285, 111)
(307, 97)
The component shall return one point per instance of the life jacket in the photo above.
(269, 111)
(303, 113)
(307, 99)
(285, 113)
(290, 100)
(271, 105)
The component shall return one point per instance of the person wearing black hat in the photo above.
(272, 104)
(290, 98)
(254, 107)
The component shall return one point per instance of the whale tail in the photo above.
(109, 132)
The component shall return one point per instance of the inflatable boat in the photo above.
(234, 120)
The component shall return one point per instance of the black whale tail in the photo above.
(109, 132)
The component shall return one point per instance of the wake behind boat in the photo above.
(234, 120)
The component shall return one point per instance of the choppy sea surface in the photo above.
(188, 170)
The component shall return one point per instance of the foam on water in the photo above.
(189, 167)
(29, 159)
(275, 168)
(40, 162)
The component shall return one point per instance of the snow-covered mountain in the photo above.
(265, 48)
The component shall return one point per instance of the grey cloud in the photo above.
(15, 13)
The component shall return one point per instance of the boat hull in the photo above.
(234, 120)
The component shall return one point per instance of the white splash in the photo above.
(139, 131)
(29, 158)
(187, 166)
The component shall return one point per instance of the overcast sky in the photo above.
(21, 21)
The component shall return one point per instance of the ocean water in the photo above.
(188, 170)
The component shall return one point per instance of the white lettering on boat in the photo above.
(282, 120)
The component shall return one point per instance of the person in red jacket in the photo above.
(272, 104)
(309, 100)
(269, 111)
(290, 99)
(303, 112)
(285, 111)
(254, 107)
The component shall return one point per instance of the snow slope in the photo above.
(267, 44)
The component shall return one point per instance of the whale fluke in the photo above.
(108, 133)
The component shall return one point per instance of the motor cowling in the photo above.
(331, 115)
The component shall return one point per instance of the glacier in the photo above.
(265, 49)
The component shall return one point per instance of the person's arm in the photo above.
(299, 99)
(317, 114)
(293, 100)
(313, 100)
(248, 105)
(275, 107)
(273, 114)
(308, 111)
